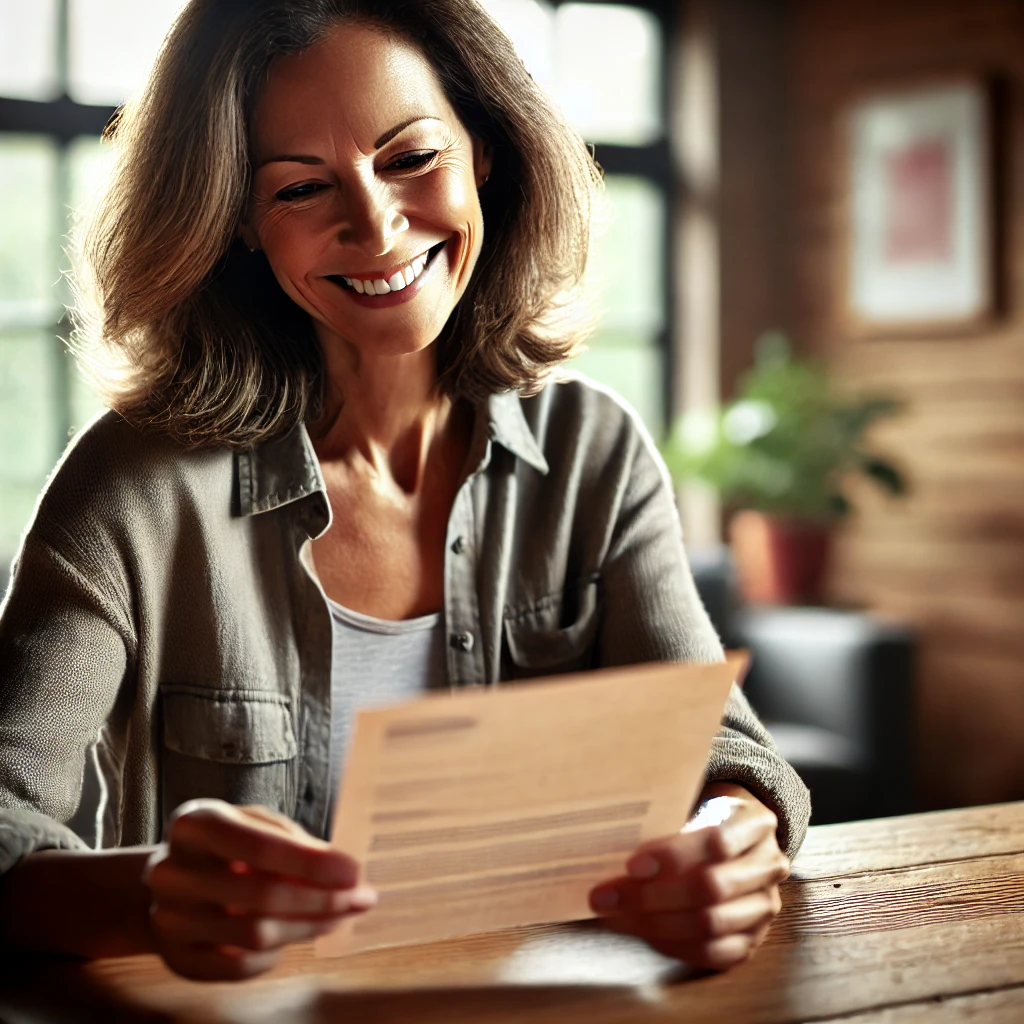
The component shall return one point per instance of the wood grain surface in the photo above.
(1003, 1007)
(884, 922)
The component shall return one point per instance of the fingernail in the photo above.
(604, 899)
(644, 866)
(363, 898)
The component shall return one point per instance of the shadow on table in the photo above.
(64, 993)
(596, 1004)
(54, 991)
(88, 1000)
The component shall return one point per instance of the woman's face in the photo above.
(365, 190)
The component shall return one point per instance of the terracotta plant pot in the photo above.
(780, 560)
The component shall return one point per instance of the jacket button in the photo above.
(462, 641)
(459, 545)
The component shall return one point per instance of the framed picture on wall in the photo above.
(920, 251)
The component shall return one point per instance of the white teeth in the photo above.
(399, 279)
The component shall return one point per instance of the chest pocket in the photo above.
(558, 634)
(238, 747)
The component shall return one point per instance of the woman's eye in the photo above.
(407, 161)
(289, 195)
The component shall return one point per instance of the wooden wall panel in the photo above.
(951, 559)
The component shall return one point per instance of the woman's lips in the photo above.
(392, 298)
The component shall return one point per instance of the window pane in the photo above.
(626, 271)
(111, 45)
(601, 63)
(608, 72)
(85, 404)
(530, 26)
(29, 231)
(28, 410)
(28, 49)
(89, 162)
(637, 374)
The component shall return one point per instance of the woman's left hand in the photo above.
(709, 894)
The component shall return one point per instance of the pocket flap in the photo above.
(537, 640)
(229, 727)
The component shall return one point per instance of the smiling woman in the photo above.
(335, 270)
(255, 117)
(346, 212)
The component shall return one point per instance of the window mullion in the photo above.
(62, 363)
(62, 46)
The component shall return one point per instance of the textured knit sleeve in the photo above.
(652, 612)
(65, 636)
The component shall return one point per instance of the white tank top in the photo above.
(377, 662)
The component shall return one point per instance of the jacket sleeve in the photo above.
(652, 612)
(65, 637)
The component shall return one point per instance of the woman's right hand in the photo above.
(232, 886)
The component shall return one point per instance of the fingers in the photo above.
(747, 914)
(261, 842)
(759, 869)
(716, 955)
(213, 963)
(252, 893)
(745, 826)
(233, 885)
(212, 927)
(708, 895)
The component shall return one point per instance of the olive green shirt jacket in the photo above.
(165, 636)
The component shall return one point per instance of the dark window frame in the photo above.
(64, 119)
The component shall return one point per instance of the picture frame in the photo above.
(919, 252)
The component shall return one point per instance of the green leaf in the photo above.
(786, 443)
(885, 474)
(838, 505)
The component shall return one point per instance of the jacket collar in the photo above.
(285, 469)
(278, 472)
(507, 426)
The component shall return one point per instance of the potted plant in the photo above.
(781, 455)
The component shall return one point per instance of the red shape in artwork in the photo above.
(919, 214)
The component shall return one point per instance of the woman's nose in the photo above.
(373, 223)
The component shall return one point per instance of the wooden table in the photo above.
(896, 920)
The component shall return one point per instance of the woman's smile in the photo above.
(399, 283)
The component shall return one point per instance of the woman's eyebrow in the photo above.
(289, 158)
(392, 132)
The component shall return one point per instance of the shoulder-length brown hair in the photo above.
(184, 330)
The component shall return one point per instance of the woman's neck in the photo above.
(383, 414)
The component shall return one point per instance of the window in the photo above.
(604, 65)
(66, 64)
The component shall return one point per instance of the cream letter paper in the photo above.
(477, 811)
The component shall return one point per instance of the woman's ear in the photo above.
(483, 157)
(247, 235)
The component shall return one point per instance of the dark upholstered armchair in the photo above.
(835, 689)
